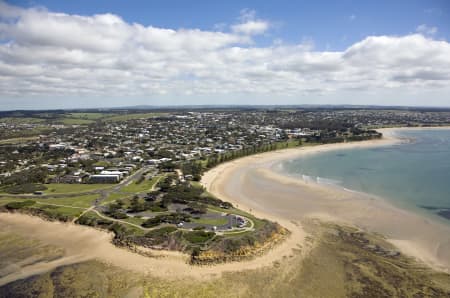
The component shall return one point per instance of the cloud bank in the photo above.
(43, 53)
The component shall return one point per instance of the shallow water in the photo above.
(413, 175)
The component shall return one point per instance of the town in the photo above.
(137, 172)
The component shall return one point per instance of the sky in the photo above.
(90, 54)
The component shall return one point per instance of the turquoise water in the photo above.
(414, 175)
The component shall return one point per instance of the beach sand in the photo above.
(252, 185)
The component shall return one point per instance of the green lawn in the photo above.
(61, 188)
(114, 196)
(85, 201)
(145, 185)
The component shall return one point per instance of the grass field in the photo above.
(141, 187)
(88, 116)
(83, 118)
(81, 201)
(75, 118)
(114, 196)
(6, 200)
(76, 121)
(21, 120)
(61, 188)
(132, 116)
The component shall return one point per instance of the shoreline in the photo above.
(85, 243)
(241, 181)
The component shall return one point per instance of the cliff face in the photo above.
(221, 252)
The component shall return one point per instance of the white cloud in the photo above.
(426, 30)
(249, 24)
(46, 54)
(247, 14)
(251, 27)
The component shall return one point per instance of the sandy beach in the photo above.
(251, 184)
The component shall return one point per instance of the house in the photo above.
(115, 172)
(153, 161)
(70, 179)
(137, 158)
(57, 147)
(103, 178)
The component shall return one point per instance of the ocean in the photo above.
(413, 175)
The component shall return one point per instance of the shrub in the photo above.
(161, 232)
(119, 215)
(25, 188)
(140, 180)
(198, 236)
(92, 221)
(172, 218)
(19, 205)
(159, 236)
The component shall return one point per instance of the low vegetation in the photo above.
(19, 205)
(49, 212)
(171, 218)
(144, 185)
(196, 237)
(24, 188)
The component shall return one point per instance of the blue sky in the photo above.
(331, 24)
(251, 52)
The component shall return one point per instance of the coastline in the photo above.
(251, 184)
(283, 199)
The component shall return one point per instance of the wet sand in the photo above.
(252, 185)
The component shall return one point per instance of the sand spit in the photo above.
(254, 186)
